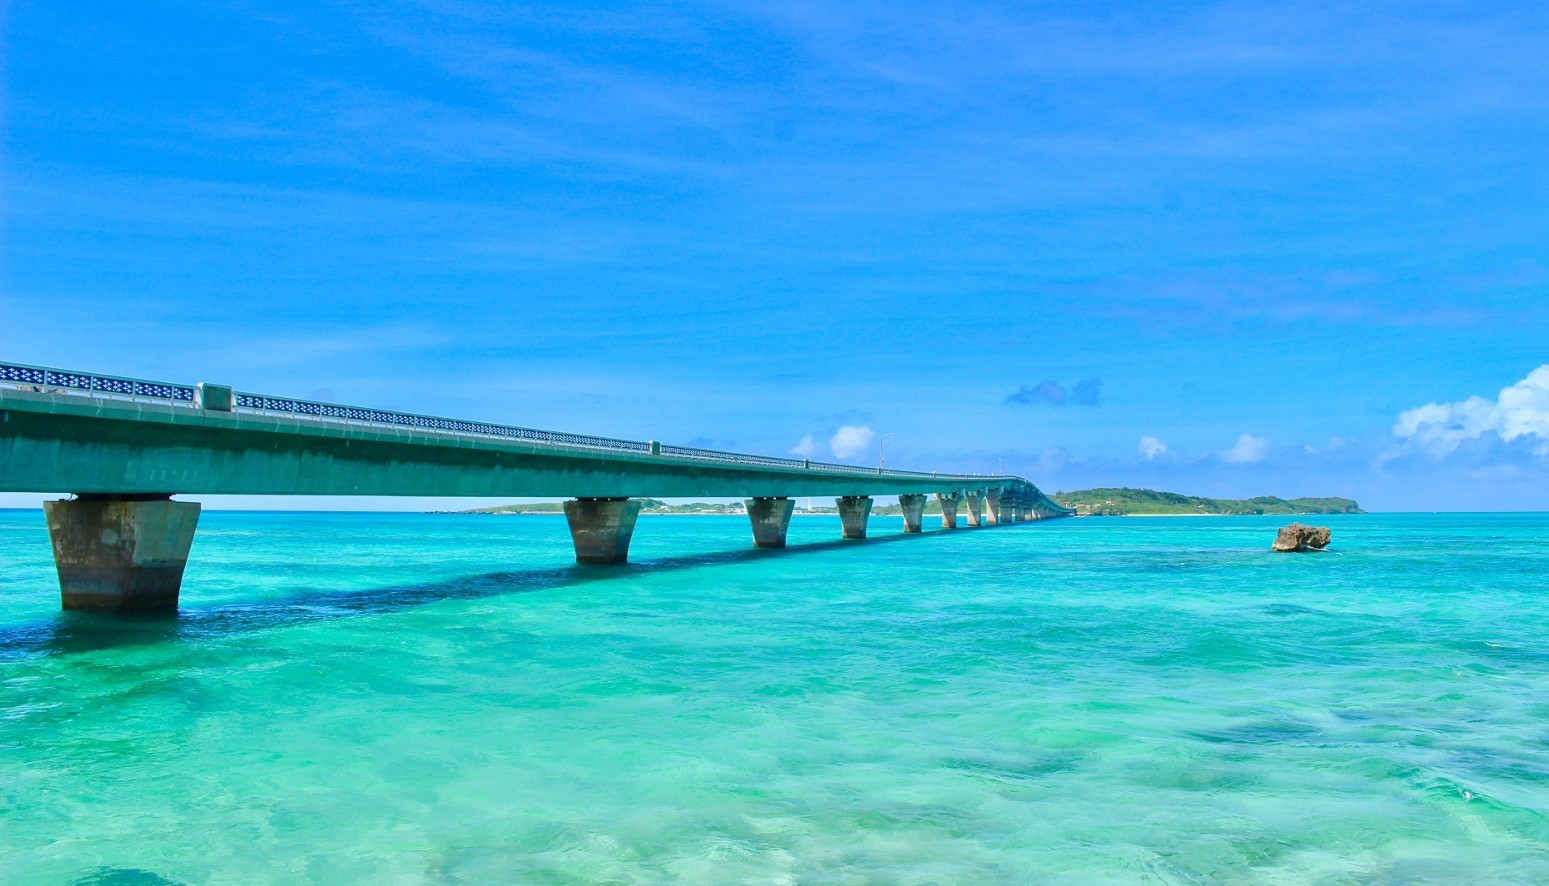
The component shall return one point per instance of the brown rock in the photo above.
(1300, 537)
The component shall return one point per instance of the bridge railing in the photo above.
(312, 409)
(827, 468)
(741, 458)
(733, 458)
(42, 379)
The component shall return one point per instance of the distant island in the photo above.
(647, 506)
(655, 506)
(1109, 502)
(1103, 502)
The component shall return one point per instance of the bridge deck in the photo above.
(82, 433)
(125, 446)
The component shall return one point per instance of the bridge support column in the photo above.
(992, 507)
(121, 553)
(949, 509)
(975, 502)
(913, 507)
(1024, 513)
(601, 528)
(771, 517)
(853, 511)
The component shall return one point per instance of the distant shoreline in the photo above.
(642, 513)
(800, 514)
(1307, 514)
(1111, 501)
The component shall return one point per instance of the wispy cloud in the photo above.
(1051, 393)
(1152, 448)
(1228, 297)
(1249, 449)
(320, 346)
(1335, 444)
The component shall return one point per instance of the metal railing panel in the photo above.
(735, 458)
(260, 403)
(41, 379)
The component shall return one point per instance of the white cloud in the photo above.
(807, 448)
(1248, 450)
(1053, 460)
(851, 440)
(1520, 410)
(1151, 447)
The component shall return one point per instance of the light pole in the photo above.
(881, 455)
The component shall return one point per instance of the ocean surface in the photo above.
(385, 699)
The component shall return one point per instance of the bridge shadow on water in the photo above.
(69, 633)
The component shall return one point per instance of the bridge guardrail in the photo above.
(736, 458)
(42, 379)
(248, 402)
(741, 458)
(831, 468)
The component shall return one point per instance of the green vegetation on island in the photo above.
(932, 506)
(537, 507)
(1109, 502)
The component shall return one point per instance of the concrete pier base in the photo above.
(914, 511)
(853, 512)
(121, 553)
(949, 509)
(601, 528)
(992, 511)
(975, 502)
(771, 517)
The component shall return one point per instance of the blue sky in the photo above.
(1223, 249)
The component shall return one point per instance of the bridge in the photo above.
(123, 447)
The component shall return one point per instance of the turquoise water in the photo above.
(354, 698)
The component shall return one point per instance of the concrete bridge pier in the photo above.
(1024, 513)
(992, 506)
(853, 512)
(913, 507)
(949, 504)
(601, 528)
(771, 517)
(975, 502)
(121, 553)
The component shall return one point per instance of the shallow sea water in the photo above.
(357, 698)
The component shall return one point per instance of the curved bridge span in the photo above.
(125, 446)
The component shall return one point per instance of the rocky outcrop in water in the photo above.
(1300, 537)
